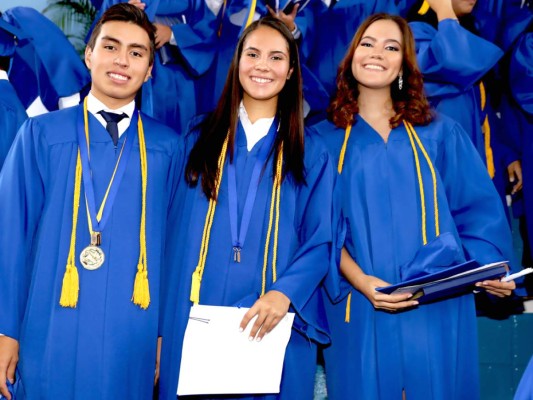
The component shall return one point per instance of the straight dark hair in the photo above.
(223, 121)
(125, 12)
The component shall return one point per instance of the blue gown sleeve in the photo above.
(22, 199)
(197, 38)
(309, 265)
(473, 201)
(335, 285)
(520, 73)
(12, 115)
(451, 59)
(55, 63)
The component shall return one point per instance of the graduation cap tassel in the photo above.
(71, 280)
(141, 286)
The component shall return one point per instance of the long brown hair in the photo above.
(410, 103)
(223, 121)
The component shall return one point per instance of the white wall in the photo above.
(37, 4)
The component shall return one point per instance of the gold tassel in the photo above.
(348, 308)
(141, 288)
(195, 286)
(70, 288)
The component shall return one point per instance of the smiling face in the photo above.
(264, 65)
(377, 60)
(119, 63)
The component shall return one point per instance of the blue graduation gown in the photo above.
(337, 26)
(430, 351)
(453, 61)
(104, 348)
(303, 251)
(519, 117)
(12, 115)
(48, 65)
(171, 95)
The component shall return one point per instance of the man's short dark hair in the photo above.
(125, 12)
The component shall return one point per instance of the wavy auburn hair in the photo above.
(410, 103)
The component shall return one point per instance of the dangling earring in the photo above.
(400, 81)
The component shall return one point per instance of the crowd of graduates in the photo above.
(339, 183)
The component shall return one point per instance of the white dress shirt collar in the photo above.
(256, 131)
(3, 75)
(94, 106)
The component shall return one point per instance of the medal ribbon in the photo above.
(197, 275)
(98, 221)
(238, 238)
(70, 287)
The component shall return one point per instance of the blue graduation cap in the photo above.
(8, 38)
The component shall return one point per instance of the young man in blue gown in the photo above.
(82, 231)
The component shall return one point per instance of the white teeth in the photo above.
(119, 77)
(374, 67)
(261, 80)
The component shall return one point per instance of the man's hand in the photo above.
(9, 357)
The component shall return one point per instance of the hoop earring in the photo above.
(400, 82)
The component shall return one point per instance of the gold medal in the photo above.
(92, 257)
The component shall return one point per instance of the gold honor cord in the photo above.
(424, 8)
(71, 282)
(197, 275)
(141, 287)
(206, 234)
(275, 200)
(70, 287)
(412, 134)
(251, 13)
(412, 138)
(486, 133)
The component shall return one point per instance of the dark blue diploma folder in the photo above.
(452, 281)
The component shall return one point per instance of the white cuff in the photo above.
(296, 33)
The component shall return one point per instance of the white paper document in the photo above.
(218, 359)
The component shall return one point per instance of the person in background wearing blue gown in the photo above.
(91, 332)
(272, 255)
(185, 52)
(456, 54)
(12, 112)
(517, 115)
(414, 197)
(46, 72)
(335, 26)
